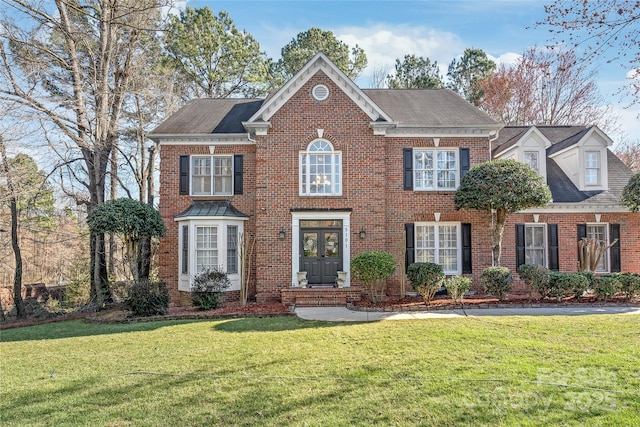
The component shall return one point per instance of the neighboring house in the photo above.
(322, 170)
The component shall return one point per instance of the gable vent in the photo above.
(320, 92)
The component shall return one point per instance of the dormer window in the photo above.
(531, 158)
(592, 168)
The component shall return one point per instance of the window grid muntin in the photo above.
(439, 243)
(320, 170)
(435, 169)
(592, 168)
(535, 244)
(600, 232)
(206, 247)
(211, 175)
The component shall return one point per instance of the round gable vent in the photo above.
(320, 92)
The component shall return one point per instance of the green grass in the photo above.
(500, 371)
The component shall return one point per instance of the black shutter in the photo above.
(410, 253)
(520, 258)
(552, 241)
(614, 251)
(237, 174)
(407, 167)
(184, 175)
(466, 249)
(465, 162)
(582, 231)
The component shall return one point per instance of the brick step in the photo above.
(324, 301)
(319, 297)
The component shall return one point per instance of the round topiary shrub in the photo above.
(373, 268)
(457, 286)
(497, 281)
(606, 286)
(147, 298)
(426, 278)
(207, 288)
(536, 277)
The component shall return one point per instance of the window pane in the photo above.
(201, 175)
(535, 244)
(599, 232)
(223, 175)
(206, 248)
(232, 249)
(321, 172)
(185, 249)
(531, 158)
(435, 169)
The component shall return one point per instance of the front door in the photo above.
(321, 251)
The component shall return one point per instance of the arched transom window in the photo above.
(320, 170)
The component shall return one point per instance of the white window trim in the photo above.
(606, 257)
(598, 169)
(545, 234)
(456, 151)
(437, 243)
(212, 157)
(296, 217)
(336, 158)
(184, 279)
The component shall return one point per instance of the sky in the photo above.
(437, 29)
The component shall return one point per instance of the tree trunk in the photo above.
(17, 280)
(497, 229)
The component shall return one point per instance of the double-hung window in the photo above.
(531, 158)
(599, 232)
(206, 248)
(592, 168)
(535, 244)
(211, 175)
(439, 243)
(320, 170)
(435, 169)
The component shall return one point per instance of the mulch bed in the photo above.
(236, 310)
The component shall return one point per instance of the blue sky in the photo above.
(437, 29)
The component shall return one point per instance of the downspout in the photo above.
(493, 135)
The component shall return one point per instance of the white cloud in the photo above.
(508, 58)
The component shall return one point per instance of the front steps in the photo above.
(319, 296)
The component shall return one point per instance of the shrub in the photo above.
(373, 268)
(457, 286)
(207, 288)
(561, 284)
(606, 286)
(148, 298)
(497, 281)
(426, 278)
(590, 278)
(536, 277)
(629, 283)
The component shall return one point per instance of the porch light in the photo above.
(362, 233)
(282, 234)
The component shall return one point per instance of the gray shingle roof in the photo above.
(428, 107)
(560, 136)
(211, 208)
(202, 116)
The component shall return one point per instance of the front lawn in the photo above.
(285, 371)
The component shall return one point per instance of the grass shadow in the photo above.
(275, 324)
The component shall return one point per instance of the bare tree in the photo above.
(73, 66)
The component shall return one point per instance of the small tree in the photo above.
(207, 288)
(497, 281)
(457, 286)
(590, 252)
(133, 220)
(536, 277)
(501, 187)
(373, 268)
(426, 278)
(631, 193)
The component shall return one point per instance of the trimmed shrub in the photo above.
(457, 286)
(147, 298)
(590, 278)
(606, 286)
(629, 284)
(373, 268)
(497, 281)
(562, 284)
(536, 277)
(426, 278)
(207, 288)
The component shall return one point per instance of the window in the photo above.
(439, 243)
(185, 250)
(232, 249)
(211, 175)
(320, 170)
(599, 232)
(535, 244)
(435, 169)
(592, 168)
(531, 158)
(206, 248)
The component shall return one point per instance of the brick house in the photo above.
(322, 170)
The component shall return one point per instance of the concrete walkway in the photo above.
(343, 314)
